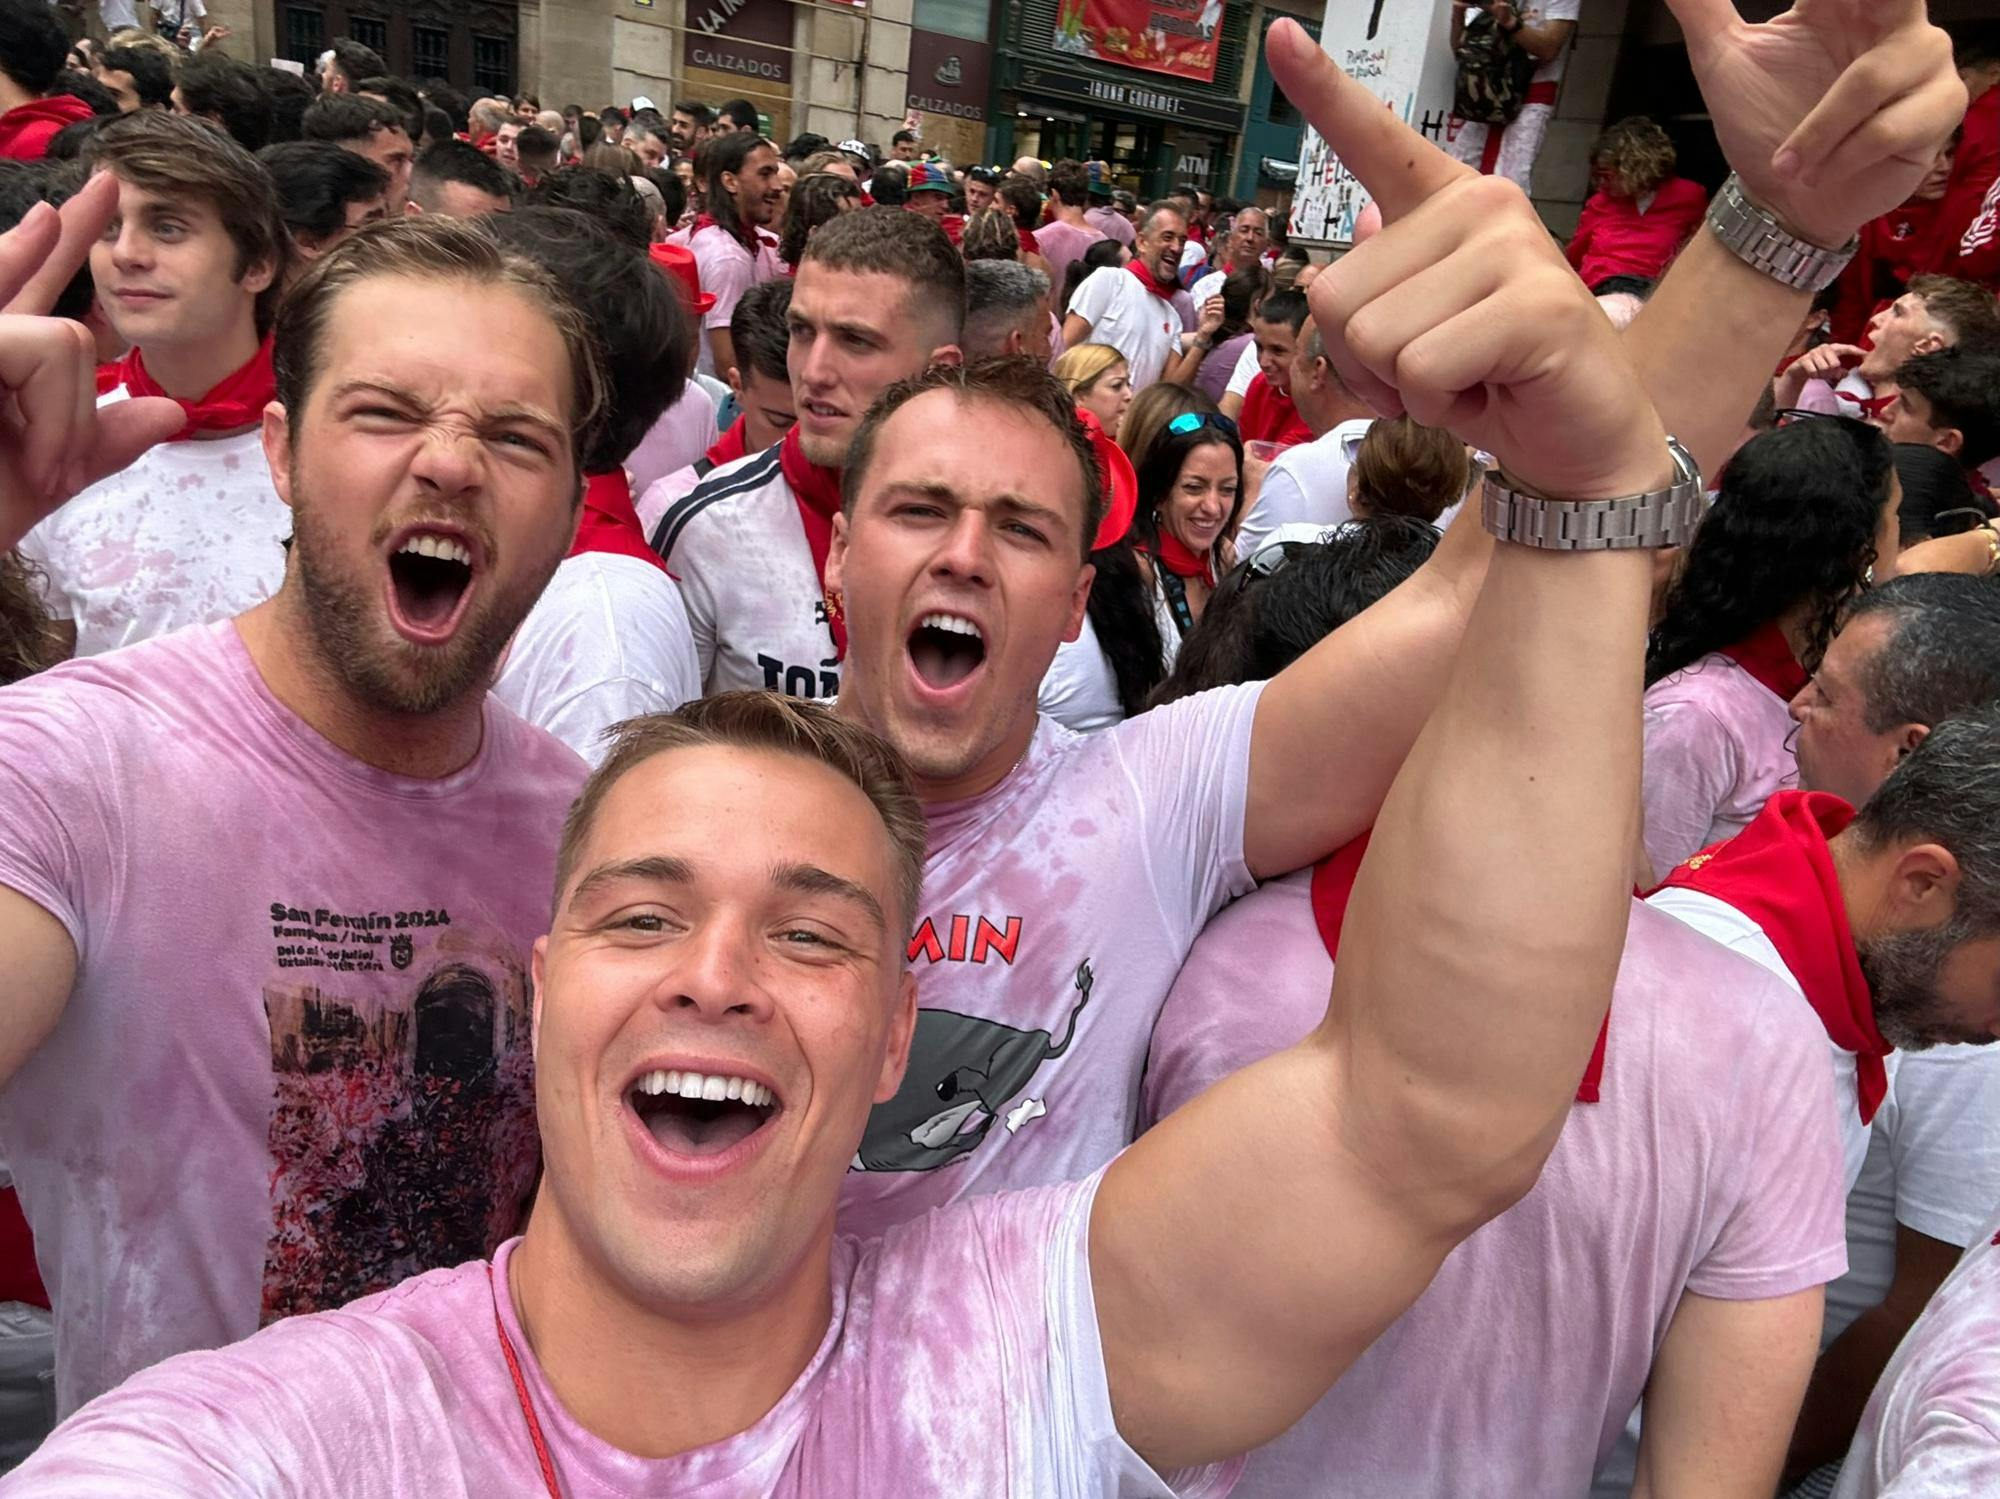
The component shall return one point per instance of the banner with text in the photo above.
(1401, 51)
(1163, 36)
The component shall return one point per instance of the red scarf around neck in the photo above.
(1146, 279)
(743, 234)
(609, 522)
(1333, 887)
(817, 491)
(237, 402)
(729, 447)
(1767, 656)
(1779, 872)
(1172, 554)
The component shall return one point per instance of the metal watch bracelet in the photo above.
(1658, 518)
(1755, 236)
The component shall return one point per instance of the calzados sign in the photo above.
(1162, 36)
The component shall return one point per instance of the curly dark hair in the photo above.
(817, 198)
(27, 644)
(1793, 526)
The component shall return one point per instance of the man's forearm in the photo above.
(1706, 343)
(1182, 367)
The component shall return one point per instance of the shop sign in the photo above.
(724, 35)
(949, 75)
(1180, 37)
(1131, 98)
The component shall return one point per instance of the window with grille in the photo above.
(493, 63)
(430, 52)
(370, 32)
(305, 33)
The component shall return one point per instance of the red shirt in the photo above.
(1614, 238)
(1900, 244)
(1269, 416)
(27, 129)
(1973, 171)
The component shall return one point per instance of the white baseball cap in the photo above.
(642, 102)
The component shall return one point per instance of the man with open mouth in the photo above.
(280, 874)
(725, 996)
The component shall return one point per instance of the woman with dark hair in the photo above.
(818, 198)
(1243, 292)
(1106, 674)
(1190, 493)
(1106, 252)
(1937, 501)
(1805, 512)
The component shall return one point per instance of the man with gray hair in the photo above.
(1131, 307)
(1249, 238)
(1006, 310)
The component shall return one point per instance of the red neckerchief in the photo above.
(1268, 415)
(1871, 407)
(1767, 656)
(1779, 872)
(237, 402)
(111, 376)
(1172, 554)
(1333, 887)
(742, 234)
(732, 445)
(1146, 279)
(817, 491)
(1026, 241)
(609, 522)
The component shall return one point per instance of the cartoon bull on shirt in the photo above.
(971, 1066)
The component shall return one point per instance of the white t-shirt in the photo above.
(1247, 369)
(1079, 690)
(1305, 485)
(1723, 923)
(1707, 1165)
(962, 1356)
(728, 270)
(1123, 314)
(608, 640)
(191, 533)
(1933, 1166)
(684, 431)
(1931, 1430)
(1057, 908)
(753, 597)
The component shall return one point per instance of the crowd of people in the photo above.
(645, 762)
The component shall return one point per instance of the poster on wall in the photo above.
(1162, 36)
(1401, 51)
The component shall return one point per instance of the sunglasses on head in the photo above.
(1194, 421)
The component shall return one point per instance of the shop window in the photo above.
(430, 52)
(371, 32)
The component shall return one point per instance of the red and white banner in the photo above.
(1162, 36)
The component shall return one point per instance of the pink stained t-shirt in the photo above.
(962, 1357)
(1062, 243)
(728, 269)
(1056, 911)
(1718, 744)
(1709, 1164)
(1931, 1430)
(301, 1001)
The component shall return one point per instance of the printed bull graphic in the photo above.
(964, 1070)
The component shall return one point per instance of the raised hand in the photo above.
(53, 439)
(1831, 113)
(1463, 311)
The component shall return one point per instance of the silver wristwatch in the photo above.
(1658, 518)
(1753, 235)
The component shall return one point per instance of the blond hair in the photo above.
(1083, 366)
(764, 721)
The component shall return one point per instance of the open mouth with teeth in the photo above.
(700, 1114)
(945, 649)
(430, 576)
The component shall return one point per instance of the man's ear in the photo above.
(277, 435)
(1930, 343)
(1923, 886)
(735, 379)
(537, 964)
(836, 552)
(902, 1030)
(950, 354)
(1949, 440)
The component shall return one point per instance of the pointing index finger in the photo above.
(1399, 167)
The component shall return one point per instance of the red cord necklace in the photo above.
(535, 1437)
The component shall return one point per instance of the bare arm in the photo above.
(1722, 1396)
(1545, 39)
(41, 969)
(1854, 1361)
(1075, 330)
(1246, 1250)
(1704, 348)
